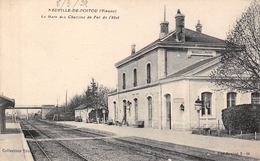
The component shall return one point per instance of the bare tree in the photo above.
(239, 67)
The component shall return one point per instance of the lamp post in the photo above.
(198, 105)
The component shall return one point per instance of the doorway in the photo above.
(150, 111)
(124, 108)
(168, 111)
(136, 109)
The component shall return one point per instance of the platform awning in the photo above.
(6, 102)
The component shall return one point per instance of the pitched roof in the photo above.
(192, 36)
(81, 107)
(192, 39)
(7, 101)
(191, 67)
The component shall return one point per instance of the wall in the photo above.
(83, 113)
(178, 91)
(178, 59)
(141, 95)
(140, 65)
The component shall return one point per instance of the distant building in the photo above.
(160, 83)
(83, 111)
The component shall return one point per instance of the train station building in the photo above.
(160, 83)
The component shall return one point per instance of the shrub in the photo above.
(245, 118)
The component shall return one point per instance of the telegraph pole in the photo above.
(66, 106)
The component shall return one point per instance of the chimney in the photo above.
(132, 48)
(179, 21)
(164, 26)
(198, 27)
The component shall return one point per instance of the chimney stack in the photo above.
(179, 21)
(132, 48)
(198, 27)
(164, 26)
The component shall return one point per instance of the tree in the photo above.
(75, 101)
(96, 96)
(239, 67)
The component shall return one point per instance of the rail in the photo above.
(79, 155)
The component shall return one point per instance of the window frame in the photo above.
(255, 98)
(206, 98)
(148, 72)
(123, 81)
(230, 99)
(135, 77)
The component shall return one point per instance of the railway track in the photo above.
(54, 141)
(105, 146)
(147, 148)
(46, 156)
(135, 146)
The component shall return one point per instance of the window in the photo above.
(123, 80)
(135, 78)
(231, 99)
(148, 73)
(255, 98)
(206, 103)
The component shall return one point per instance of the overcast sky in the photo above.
(41, 58)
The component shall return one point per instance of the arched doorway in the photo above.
(136, 109)
(168, 111)
(150, 111)
(124, 109)
(115, 111)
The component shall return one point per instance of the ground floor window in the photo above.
(255, 98)
(206, 103)
(231, 99)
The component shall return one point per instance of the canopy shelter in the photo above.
(5, 103)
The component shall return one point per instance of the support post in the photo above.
(198, 120)
(104, 118)
(206, 112)
(27, 114)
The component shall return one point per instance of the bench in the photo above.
(207, 131)
(117, 123)
(139, 124)
(110, 122)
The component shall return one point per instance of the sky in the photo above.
(42, 58)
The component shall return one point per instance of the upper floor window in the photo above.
(206, 103)
(135, 77)
(231, 99)
(123, 78)
(255, 98)
(148, 73)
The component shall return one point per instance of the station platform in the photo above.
(13, 146)
(222, 145)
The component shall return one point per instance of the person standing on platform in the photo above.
(15, 117)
